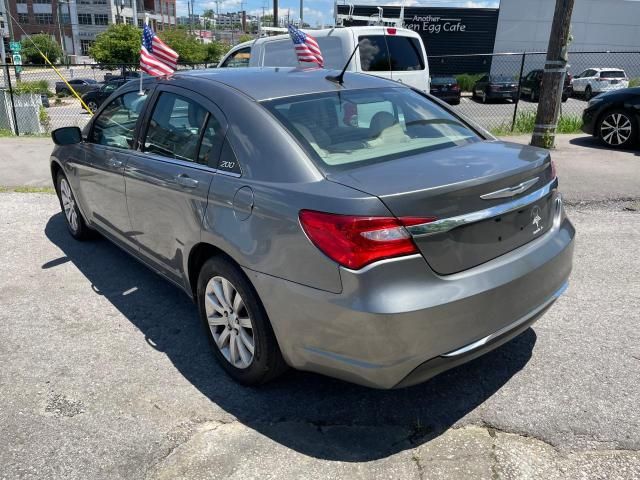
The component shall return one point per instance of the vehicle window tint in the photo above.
(374, 56)
(612, 74)
(211, 143)
(238, 59)
(333, 52)
(116, 124)
(405, 53)
(175, 127)
(228, 160)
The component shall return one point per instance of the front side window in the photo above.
(116, 124)
(238, 59)
(175, 127)
(346, 129)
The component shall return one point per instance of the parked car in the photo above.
(80, 85)
(496, 87)
(95, 98)
(128, 75)
(446, 88)
(597, 80)
(388, 52)
(361, 230)
(613, 117)
(531, 83)
(44, 98)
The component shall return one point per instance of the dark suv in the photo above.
(531, 83)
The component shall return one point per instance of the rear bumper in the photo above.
(397, 323)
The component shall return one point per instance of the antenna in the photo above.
(339, 79)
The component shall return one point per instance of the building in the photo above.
(76, 23)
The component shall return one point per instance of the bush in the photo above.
(38, 86)
(634, 82)
(44, 42)
(468, 80)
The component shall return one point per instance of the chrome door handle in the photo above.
(113, 163)
(186, 181)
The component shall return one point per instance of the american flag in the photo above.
(156, 58)
(306, 47)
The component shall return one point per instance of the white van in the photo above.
(389, 52)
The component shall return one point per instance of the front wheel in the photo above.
(93, 106)
(237, 325)
(533, 96)
(75, 223)
(588, 93)
(618, 129)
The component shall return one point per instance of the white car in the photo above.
(597, 80)
(389, 52)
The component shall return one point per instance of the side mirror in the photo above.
(66, 136)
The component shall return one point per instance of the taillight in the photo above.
(455, 88)
(356, 241)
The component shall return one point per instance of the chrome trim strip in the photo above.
(510, 191)
(483, 341)
(446, 224)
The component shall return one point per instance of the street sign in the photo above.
(17, 62)
(15, 47)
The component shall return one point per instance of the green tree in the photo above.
(190, 49)
(245, 38)
(46, 44)
(216, 50)
(118, 44)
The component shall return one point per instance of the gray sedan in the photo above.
(361, 230)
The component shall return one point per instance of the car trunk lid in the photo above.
(449, 185)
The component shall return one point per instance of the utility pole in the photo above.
(301, 14)
(275, 13)
(555, 69)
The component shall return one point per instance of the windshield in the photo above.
(345, 129)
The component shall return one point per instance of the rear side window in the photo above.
(115, 125)
(280, 53)
(211, 143)
(405, 53)
(238, 59)
(175, 127)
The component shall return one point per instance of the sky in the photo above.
(317, 12)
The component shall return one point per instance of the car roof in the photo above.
(600, 69)
(263, 83)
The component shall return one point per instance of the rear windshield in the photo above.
(612, 74)
(386, 53)
(503, 78)
(341, 130)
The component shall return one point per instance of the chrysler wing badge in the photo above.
(510, 191)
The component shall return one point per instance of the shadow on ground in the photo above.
(379, 423)
(595, 143)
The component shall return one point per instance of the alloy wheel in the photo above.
(69, 204)
(615, 129)
(93, 106)
(229, 322)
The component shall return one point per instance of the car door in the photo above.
(109, 144)
(238, 59)
(168, 179)
(580, 81)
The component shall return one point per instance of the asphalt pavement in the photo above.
(106, 372)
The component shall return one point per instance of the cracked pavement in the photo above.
(106, 373)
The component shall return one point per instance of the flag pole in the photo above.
(146, 22)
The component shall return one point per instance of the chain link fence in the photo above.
(501, 91)
(35, 101)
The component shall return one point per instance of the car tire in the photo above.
(483, 98)
(532, 96)
(75, 222)
(93, 106)
(235, 325)
(618, 129)
(588, 93)
(565, 97)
